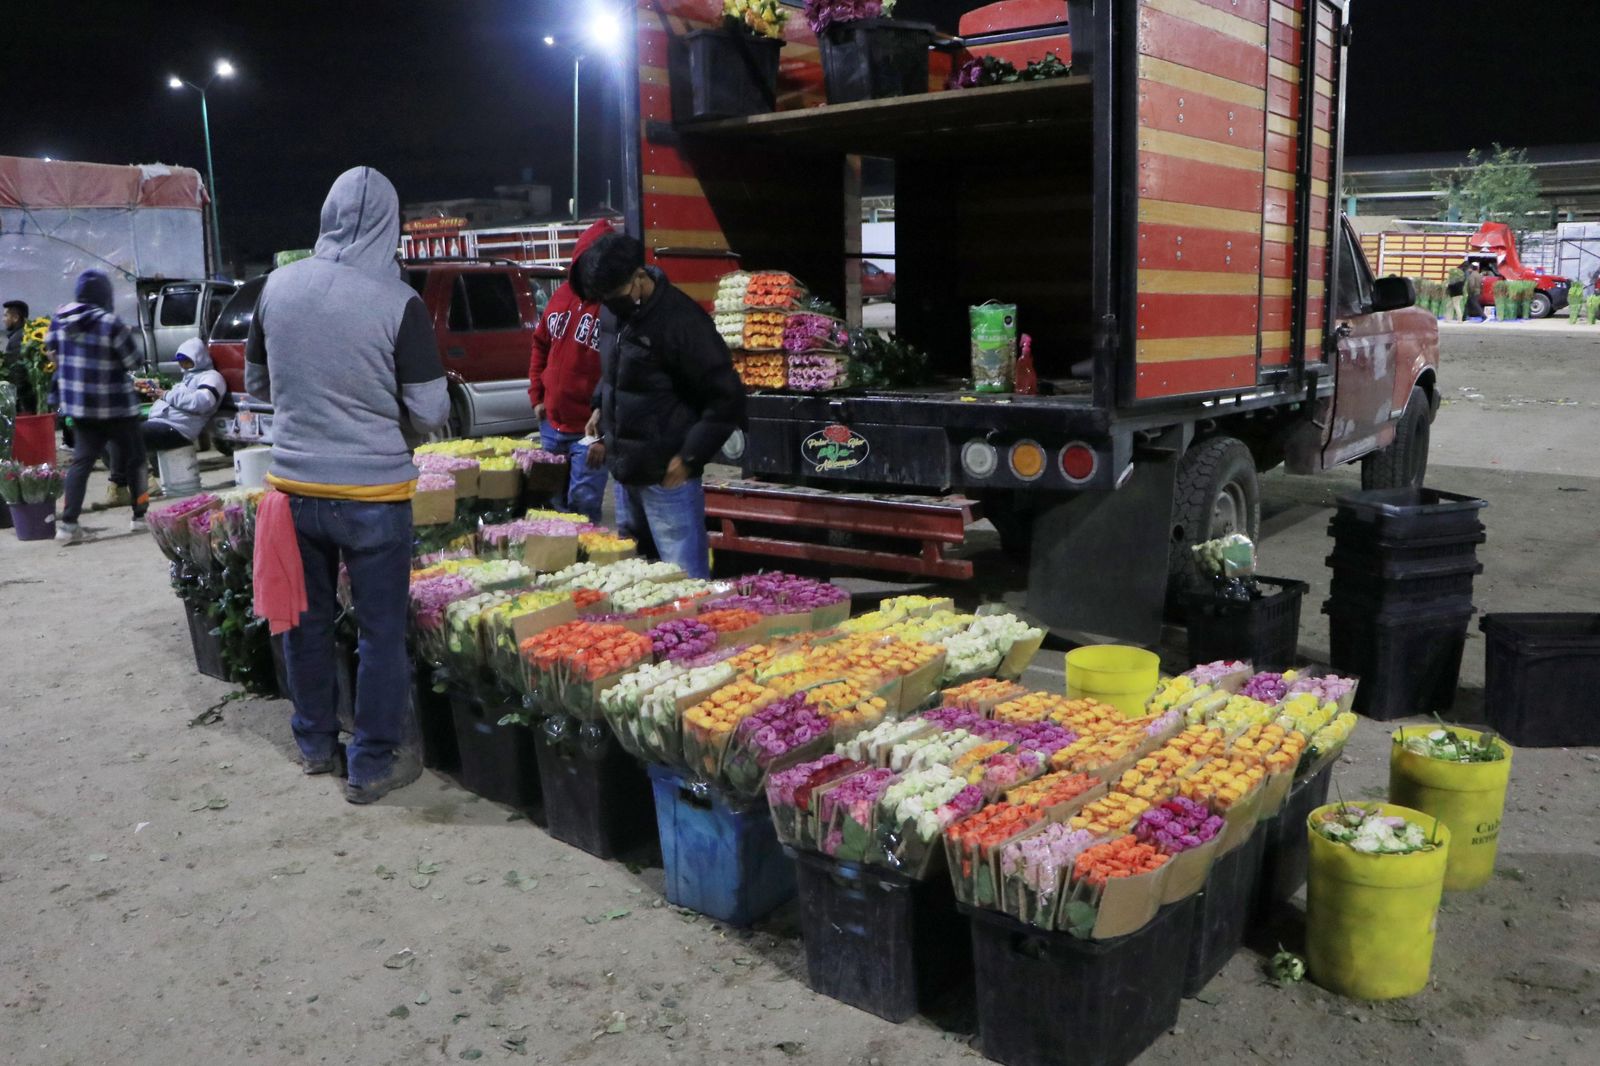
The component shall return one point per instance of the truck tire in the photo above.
(1216, 494)
(1403, 464)
(1541, 306)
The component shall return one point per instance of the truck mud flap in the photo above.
(880, 454)
(1099, 565)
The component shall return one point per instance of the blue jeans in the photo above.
(373, 540)
(586, 489)
(676, 519)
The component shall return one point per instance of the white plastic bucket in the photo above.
(250, 467)
(180, 471)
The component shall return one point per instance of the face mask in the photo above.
(621, 306)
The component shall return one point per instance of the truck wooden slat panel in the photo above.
(1275, 312)
(1279, 202)
(1283, 98)
(1187, 44)
(1180, 248)
(1194, 114)
(1281, 154)
(1244, 20)
(1288, 11)
(1163, 177)
(1276, 260)
(1166, 315)
(1197, 375)
(1283, 38)
(1202, 152)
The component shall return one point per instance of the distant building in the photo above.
(512, 205)
(1408, 186)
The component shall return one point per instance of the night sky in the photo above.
(451, 97)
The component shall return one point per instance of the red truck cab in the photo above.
(484, 314)
(1494, 249)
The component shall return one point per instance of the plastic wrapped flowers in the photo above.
(1178, 825)
(1370, 831)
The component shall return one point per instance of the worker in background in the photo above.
(562, 374)
(667, 401)
(180, 413)
(96, 356)
(1472, 291)
(16, 323)
(345, 351)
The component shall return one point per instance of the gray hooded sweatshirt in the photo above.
(190, 403)
(345, 350)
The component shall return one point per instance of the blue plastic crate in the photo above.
(720, 859)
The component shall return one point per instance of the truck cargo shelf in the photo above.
(925, 523)
(908, 124)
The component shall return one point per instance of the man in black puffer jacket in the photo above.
(667, 401)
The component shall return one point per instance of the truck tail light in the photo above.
(1078, 462)
(979, 458)
(1027, 460)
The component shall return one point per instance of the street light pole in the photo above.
(577, 70)
(224, 69)
(602, 34)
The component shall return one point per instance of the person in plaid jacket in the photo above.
(95, 353)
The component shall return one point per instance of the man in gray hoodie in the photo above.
(345, 351)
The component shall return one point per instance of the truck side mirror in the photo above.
(1393, 293)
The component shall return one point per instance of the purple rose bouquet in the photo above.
(1178, 825)
(820, 14)
(681, 639)
(853, 804)
(780, 732)
(1266, 687)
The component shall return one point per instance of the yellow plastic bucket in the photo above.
(1123, 676)
(1370, 919)
(1467, 797)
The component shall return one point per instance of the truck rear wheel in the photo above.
(1217, 493)
(1403, 464)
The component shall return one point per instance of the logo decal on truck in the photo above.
(835, 448)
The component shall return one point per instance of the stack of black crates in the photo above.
(1403, 565)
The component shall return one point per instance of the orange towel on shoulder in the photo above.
(279, 575)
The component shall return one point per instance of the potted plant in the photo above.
(867, 54)
(30, 493)
(733, 71)
(34, 439)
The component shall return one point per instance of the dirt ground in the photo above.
(176, 894)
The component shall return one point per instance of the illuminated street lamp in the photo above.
(223, 69)
(604, 34)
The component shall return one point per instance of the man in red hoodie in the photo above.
(562, 374)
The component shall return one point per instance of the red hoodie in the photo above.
(566, 350)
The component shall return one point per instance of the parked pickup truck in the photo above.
(484, 314)
(1164, 220)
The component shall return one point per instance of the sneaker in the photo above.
(118, 496)
(138, 525)
(69, 533)
(333, 764)
(405, 769)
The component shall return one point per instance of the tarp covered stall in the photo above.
(58, 219)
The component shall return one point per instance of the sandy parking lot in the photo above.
(142, 921)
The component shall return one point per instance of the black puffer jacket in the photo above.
(667, 387)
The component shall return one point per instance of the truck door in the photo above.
(485, 336)
(177, 319)
(216, 297)
(1365, 353)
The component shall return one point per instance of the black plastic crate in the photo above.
(498, 762)
(600, 802)
(879, 941)
(872, 59)
(436, 726)
(1402, 513)
(1224, 908)
(1541, 674)
(205, 642)
(1265, 631)
(1048, 998)
(1359, 540)
(718, 74)
(1408, 660)
(1285, 846)
(1377, 565)
(1358, 586)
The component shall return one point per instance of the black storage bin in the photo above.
(498, 762)
(1400, 514)
(717, 74)
(1408, 659)
(206, 643)
(600, 803)
(436, 726)
(1368, 550)
(1223, 909)
(1352, 581)
(873, 59)
(877, 940)
(1264, 632)
(1285, 846)
(1541, 674)
(1047, 998)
